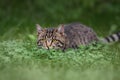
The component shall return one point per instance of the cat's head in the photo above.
(50, 37)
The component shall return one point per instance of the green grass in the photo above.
(22, 60)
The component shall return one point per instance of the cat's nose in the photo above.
(48, 43)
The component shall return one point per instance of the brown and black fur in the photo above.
(79, 34)
(68, 36)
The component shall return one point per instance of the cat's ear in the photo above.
(61, 28)
(39, 28)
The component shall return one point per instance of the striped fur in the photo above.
(50, 38)
(65, 36)
(70, 36)
(112, 38)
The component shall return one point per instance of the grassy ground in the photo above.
(20, 59)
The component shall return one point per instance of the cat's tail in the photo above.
(112, 38)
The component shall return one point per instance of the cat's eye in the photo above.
(42, 39)
(54, 40)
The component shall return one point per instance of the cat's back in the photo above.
(79, 33)
(77, 27)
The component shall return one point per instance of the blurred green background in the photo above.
(18, 17)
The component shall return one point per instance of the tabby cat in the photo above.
(69, 36)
